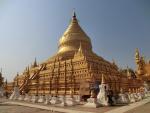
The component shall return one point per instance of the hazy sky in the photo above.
(32, 28)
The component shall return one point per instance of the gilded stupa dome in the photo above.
(74, 35)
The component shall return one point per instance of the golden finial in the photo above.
(136, 49)
(74, 14)
(137, 57)
(137, 54)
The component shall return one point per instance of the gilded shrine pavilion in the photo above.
(74, 70)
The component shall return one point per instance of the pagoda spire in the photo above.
(103, 81)
(74, 14)
(128, 73)
(74, 17)
(35, 62)
(80, 48)
(137, 55)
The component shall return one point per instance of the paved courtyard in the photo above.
(7, 106)
(142, 109)
(10, 108)
(28, 107)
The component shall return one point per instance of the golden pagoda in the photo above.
(142, 67)
(73, 70)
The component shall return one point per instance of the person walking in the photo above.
(110, 96)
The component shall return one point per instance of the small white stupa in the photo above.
(102, 98)
(16, 92)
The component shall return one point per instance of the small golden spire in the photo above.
(137, 55)
(137, 50)
(128, 73)
(80, 48)
(74, 18)
(74, 14)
